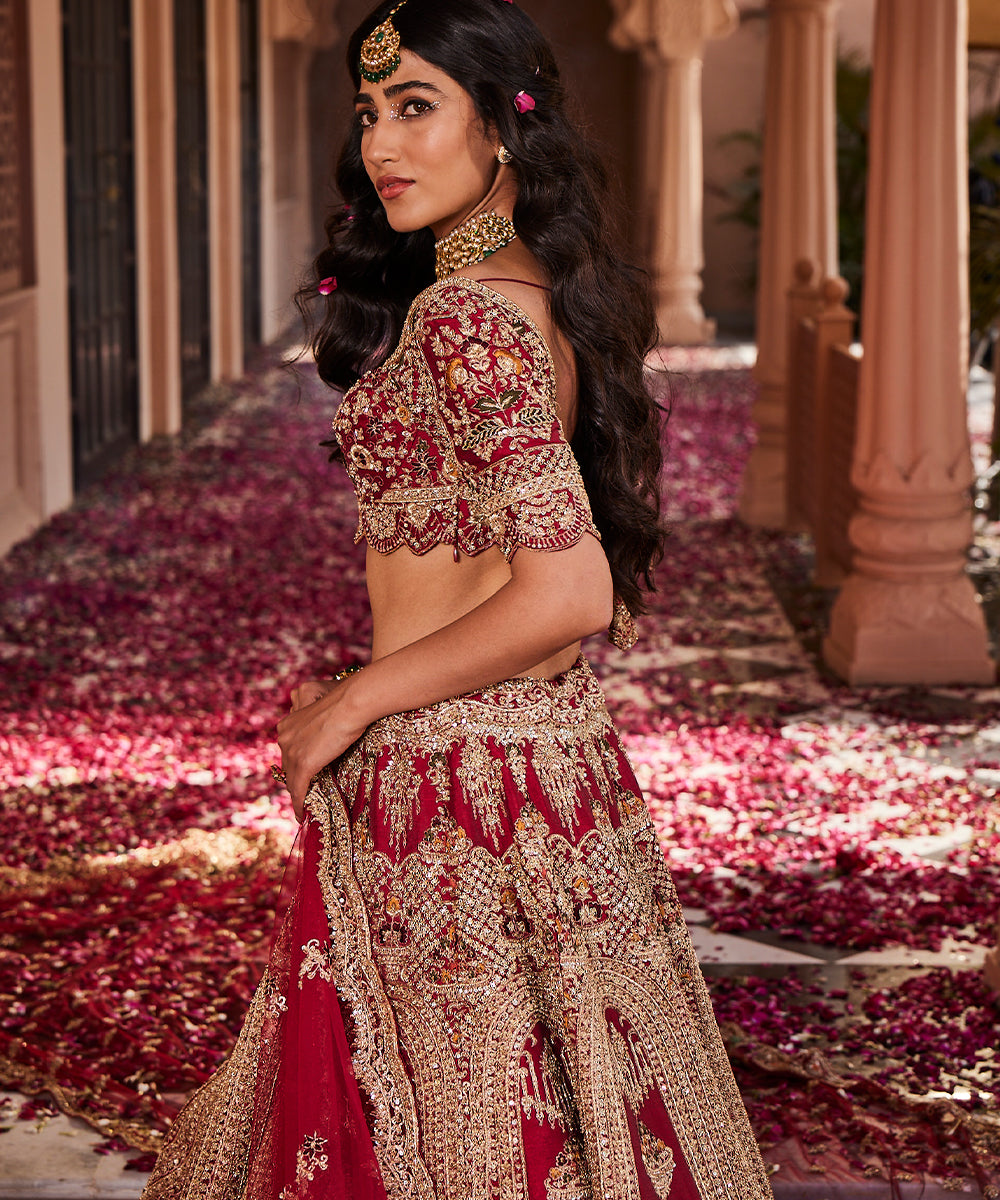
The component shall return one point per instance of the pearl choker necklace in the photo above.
(471, 242)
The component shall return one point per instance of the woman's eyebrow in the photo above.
(396, 89)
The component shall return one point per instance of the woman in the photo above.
(483, 985)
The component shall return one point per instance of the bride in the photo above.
(482, 986)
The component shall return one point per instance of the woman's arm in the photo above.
(552, 600)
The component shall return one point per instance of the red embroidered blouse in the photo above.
(456, 437)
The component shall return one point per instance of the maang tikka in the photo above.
(380, 50)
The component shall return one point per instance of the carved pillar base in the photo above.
(908, 611)
(680, 317)
(764, 492)
(931, 633)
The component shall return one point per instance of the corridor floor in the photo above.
(838, 851)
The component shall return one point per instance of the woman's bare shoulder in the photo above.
(516, 274)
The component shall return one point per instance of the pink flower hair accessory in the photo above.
(523, 102)
(327, 285)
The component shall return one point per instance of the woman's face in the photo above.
(424, 147)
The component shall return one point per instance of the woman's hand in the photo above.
(321, 726)
(311, 691)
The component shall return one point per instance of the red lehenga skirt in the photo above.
(482, 988)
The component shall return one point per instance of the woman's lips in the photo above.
(392, 186)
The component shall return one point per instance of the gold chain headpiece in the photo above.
(380, 50)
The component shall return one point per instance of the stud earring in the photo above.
(504, 156)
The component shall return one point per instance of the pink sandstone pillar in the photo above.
(798, 220)
(907, 613)
(676, 179)
(671, 36)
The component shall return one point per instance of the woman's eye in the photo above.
(365, 118)
(415, 108)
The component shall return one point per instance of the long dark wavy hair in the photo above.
(599, 301)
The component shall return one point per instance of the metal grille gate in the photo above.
(100, 205)
(192, 192)
(250, 169)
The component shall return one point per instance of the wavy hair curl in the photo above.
(599, 301)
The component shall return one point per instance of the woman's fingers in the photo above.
(309, 692)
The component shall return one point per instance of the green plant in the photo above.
(853, 85)
(853, 92)
(984, 224)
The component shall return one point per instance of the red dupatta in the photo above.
(310, 1137)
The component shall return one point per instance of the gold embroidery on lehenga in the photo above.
(568, 1180)
(527, 975)
(658, 1159)
(318, 962)
(309, 1159)
(503, 999)
(368, 1016)
(277, 1005)
(546, 1095)
(205, 1157)
(519, 728)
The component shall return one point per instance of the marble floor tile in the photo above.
(963, 956)
(53, 1159)
(931, 846)
(712, 947)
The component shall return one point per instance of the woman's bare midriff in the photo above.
(413, 595)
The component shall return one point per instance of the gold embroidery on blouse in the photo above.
(480, 459)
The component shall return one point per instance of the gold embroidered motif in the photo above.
(520, 729)
(546, 1095)
(308, 1160)
(317, 962)
(658, 1159)
(277, 1005)
(456, 437)
(568, 1180)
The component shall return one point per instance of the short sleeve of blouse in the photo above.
(494, 385)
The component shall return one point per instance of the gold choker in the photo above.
(471, 242)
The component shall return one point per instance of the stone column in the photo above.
(677, 179)
(907, 612)
(290, 35)
(157, 262)
(671, 37)
(225, 213)
(798, 220)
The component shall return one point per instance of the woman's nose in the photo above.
(383, 141)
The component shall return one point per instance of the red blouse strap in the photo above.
(527, 282)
